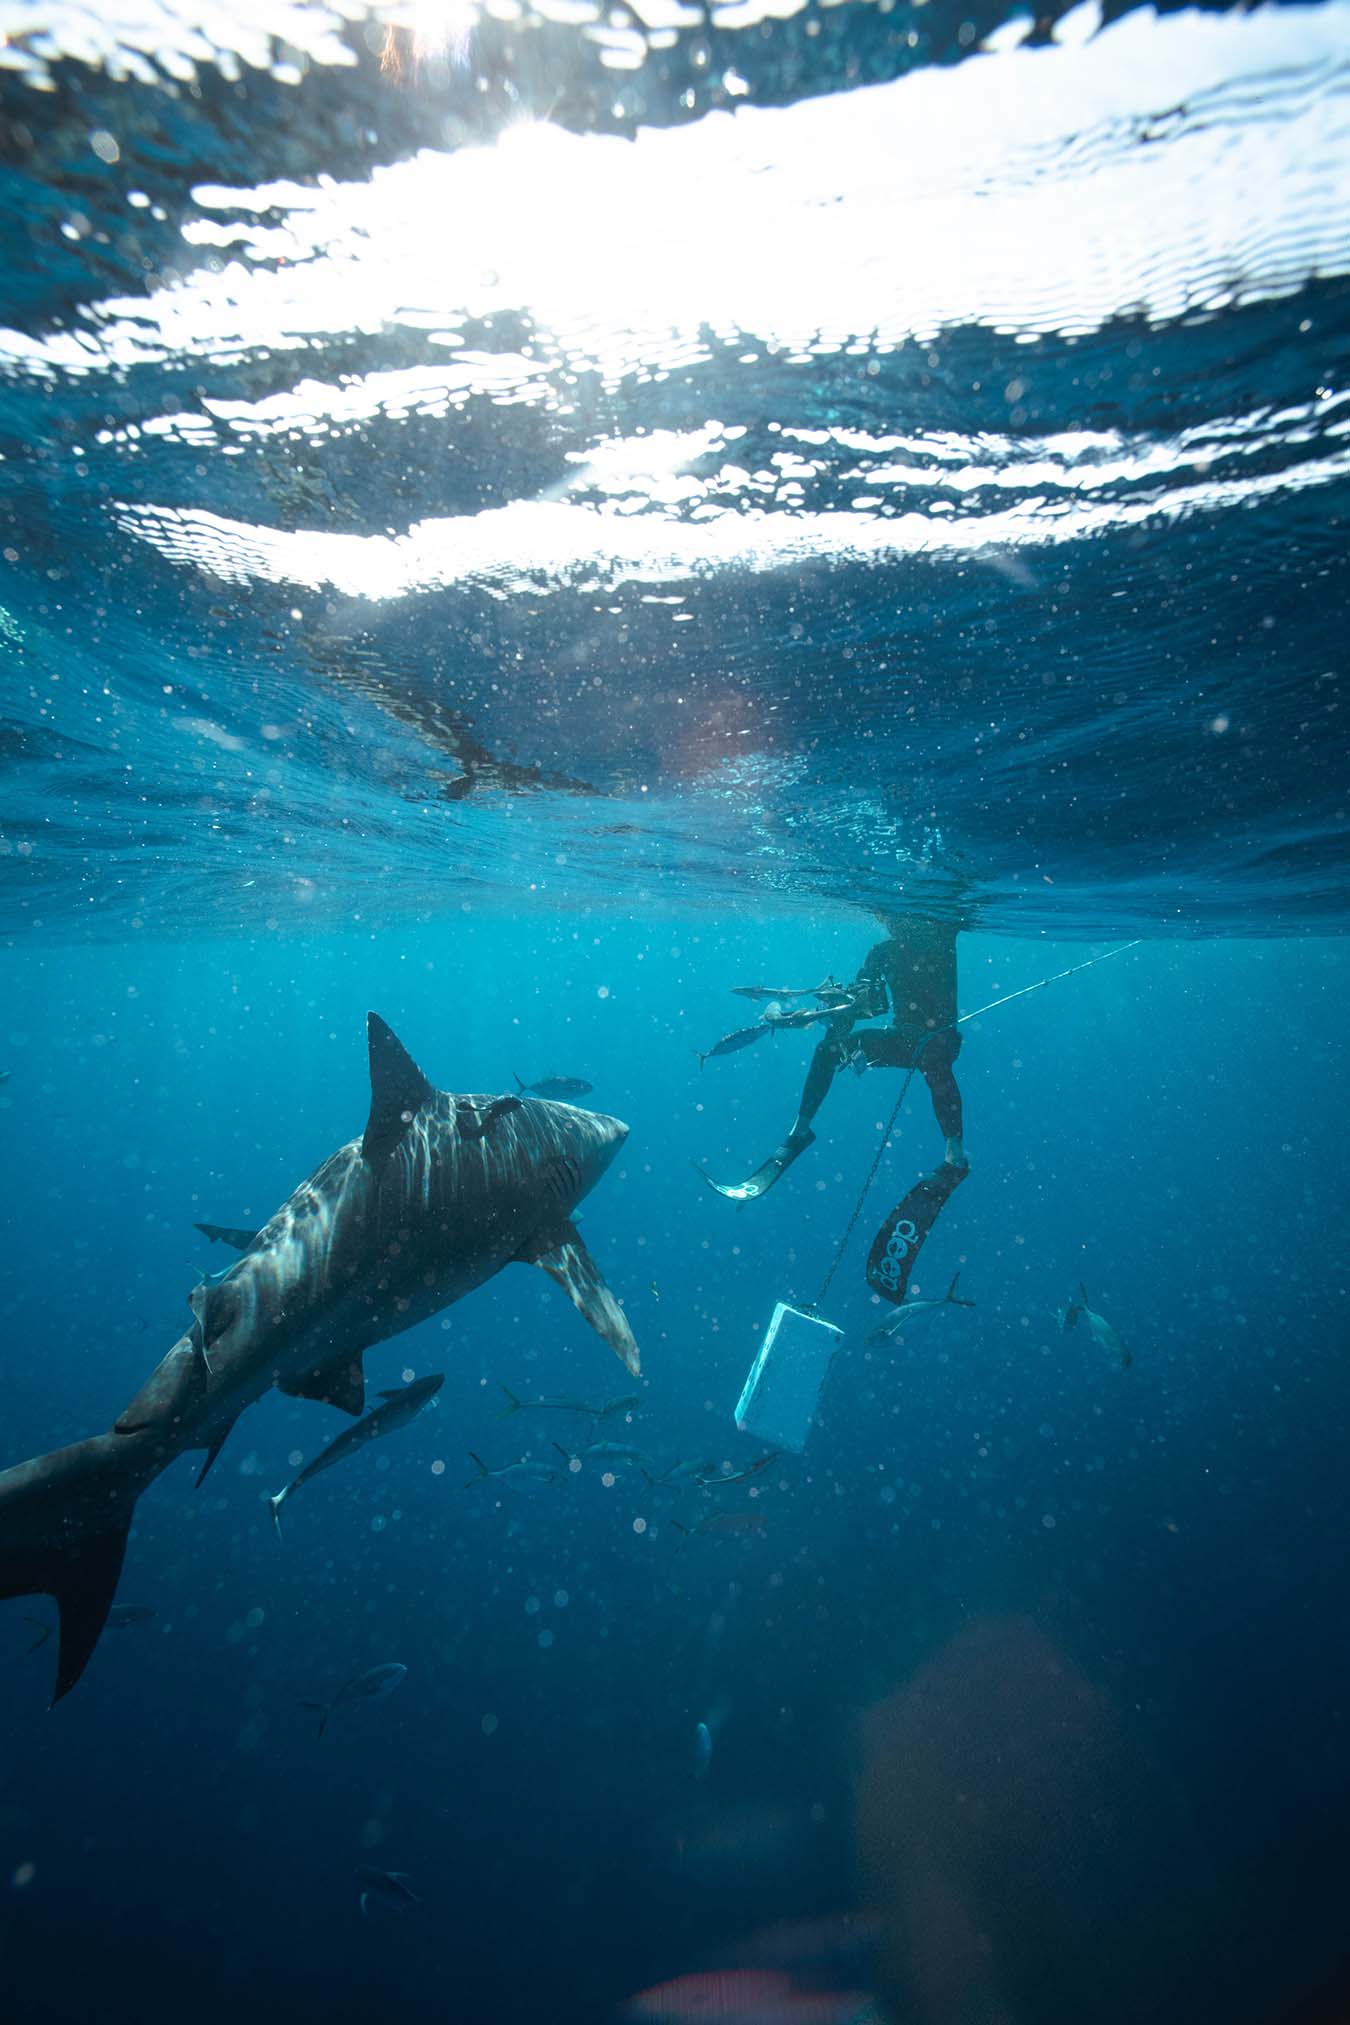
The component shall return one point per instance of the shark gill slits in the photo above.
(563, 1175)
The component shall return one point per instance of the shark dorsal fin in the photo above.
(398, 1090)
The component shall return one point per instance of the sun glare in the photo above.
(427, 29)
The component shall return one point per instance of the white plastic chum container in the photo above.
(782, 1392)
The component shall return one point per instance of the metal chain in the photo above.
(866, 1188)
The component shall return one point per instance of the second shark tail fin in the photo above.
(64, 1520)
(513, 1405)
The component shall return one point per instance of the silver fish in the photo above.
(731, 1044)
(564, 1087)
(911, 1309)
(1100, 1330)
(385, 1887)
(372, 1685)
(401, 1405)
(517, 1472)
(605, 1411)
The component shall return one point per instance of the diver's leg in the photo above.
(936, 1062)
(825, 1063)
(824, 1067)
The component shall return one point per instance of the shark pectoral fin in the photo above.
(340, 1384)
(398, 1090)
(564, 1257)
(213, 1451)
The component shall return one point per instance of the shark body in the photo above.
(419, 1211)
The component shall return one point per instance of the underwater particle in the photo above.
(105, 146)
(639, 1525)
(1048, 1521)
(531, 1606)
(488, 1726)
(24, 1875)
(545, 1640)
(561, 1599)
(438, 1468)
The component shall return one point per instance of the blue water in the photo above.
(525, 545)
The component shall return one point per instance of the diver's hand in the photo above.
(803, 1016)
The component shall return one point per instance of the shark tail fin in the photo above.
(521, 1087)
(481, 1470)
(512, 1405)
(319, 1709)
(64, 1520)
(1083, 1295)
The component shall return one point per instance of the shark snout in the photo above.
(610, 1134)
(591, 1139)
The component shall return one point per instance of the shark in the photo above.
(420, 1210)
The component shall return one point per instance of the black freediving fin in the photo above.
(398, 1090)
(564, 1257)
(226, 1234)
(763, 1178)
(897, 1244)
(342, 1385)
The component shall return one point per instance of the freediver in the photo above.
(912, 974)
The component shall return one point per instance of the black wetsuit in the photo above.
(917, 966)
(913, 974)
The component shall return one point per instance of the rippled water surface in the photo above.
(772, 451)
(530, 518)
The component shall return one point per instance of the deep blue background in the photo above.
(1168, 1127)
